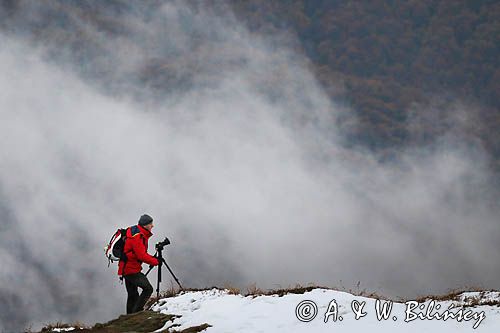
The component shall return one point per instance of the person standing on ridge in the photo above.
(136, 252)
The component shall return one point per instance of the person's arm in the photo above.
(141, 251)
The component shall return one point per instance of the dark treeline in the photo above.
(394, 56)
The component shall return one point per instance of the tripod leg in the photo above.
(158, 281)
(151, 267)
(175, 278)
(149, 270)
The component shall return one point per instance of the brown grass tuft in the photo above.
(252, 290)
(77, 325)
(194, 329)
(170, 292)
(451, 295)
(232, 290)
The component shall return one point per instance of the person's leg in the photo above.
(141, 281)
(132, 293)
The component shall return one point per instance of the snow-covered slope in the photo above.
(322, 310)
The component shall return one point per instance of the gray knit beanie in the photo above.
(145, 219)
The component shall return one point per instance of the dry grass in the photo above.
(473, 301)
(194, 329)
(50, 327)
(232, 290)
(253, 290)
(170, 292)
(468, 301)
(360, 292)
(451, 295)
(490, 303)
(144, 321)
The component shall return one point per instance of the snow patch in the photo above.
(227, 312)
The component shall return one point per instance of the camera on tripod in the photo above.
(160, 245)
(161, 261)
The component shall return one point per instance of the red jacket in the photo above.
(136, 250)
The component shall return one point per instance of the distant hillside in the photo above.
(391, 55)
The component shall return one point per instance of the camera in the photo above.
(160, 245)
(161, 261)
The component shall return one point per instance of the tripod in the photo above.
(162, 261)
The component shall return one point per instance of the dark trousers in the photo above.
(135, 303)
